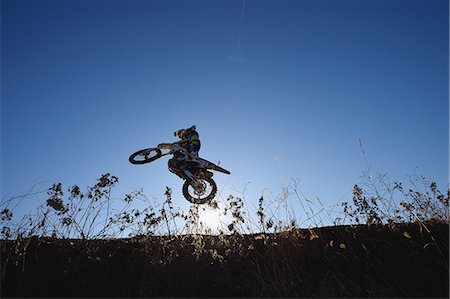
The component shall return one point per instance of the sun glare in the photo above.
(211, 218)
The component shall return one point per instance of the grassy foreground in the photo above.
(388, 241)
(403, 260)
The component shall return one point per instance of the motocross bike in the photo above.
(198, 186)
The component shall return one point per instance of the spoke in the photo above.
(204, 193)
(147, 155)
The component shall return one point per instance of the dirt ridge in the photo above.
(397, 260)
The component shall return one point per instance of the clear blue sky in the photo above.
(276, 89)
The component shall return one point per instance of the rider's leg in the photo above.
(193, 149)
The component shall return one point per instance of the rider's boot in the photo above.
(175, 167)
(178, 173)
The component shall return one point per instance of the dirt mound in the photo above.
(403, 260)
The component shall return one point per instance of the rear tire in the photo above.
(202, 197)
(145, 156)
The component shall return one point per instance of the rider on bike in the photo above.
(191, 142)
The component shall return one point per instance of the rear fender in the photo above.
(209, 165)
(220, 169)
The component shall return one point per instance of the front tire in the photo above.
(203, 194)
(145, 156)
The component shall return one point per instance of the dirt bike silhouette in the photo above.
(198, 187)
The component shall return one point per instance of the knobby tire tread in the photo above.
(151, 159)
(195, 200)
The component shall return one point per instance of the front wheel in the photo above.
(200, 191)
(145, 156)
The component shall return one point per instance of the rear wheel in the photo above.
(145, 156)
(201, 191)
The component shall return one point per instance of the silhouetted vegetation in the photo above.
(386, 241)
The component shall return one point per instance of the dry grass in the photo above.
(392, 242)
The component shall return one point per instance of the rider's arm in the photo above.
(168, 145)
(181, 141)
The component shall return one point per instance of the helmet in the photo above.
(182, 132)
(179, 133)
